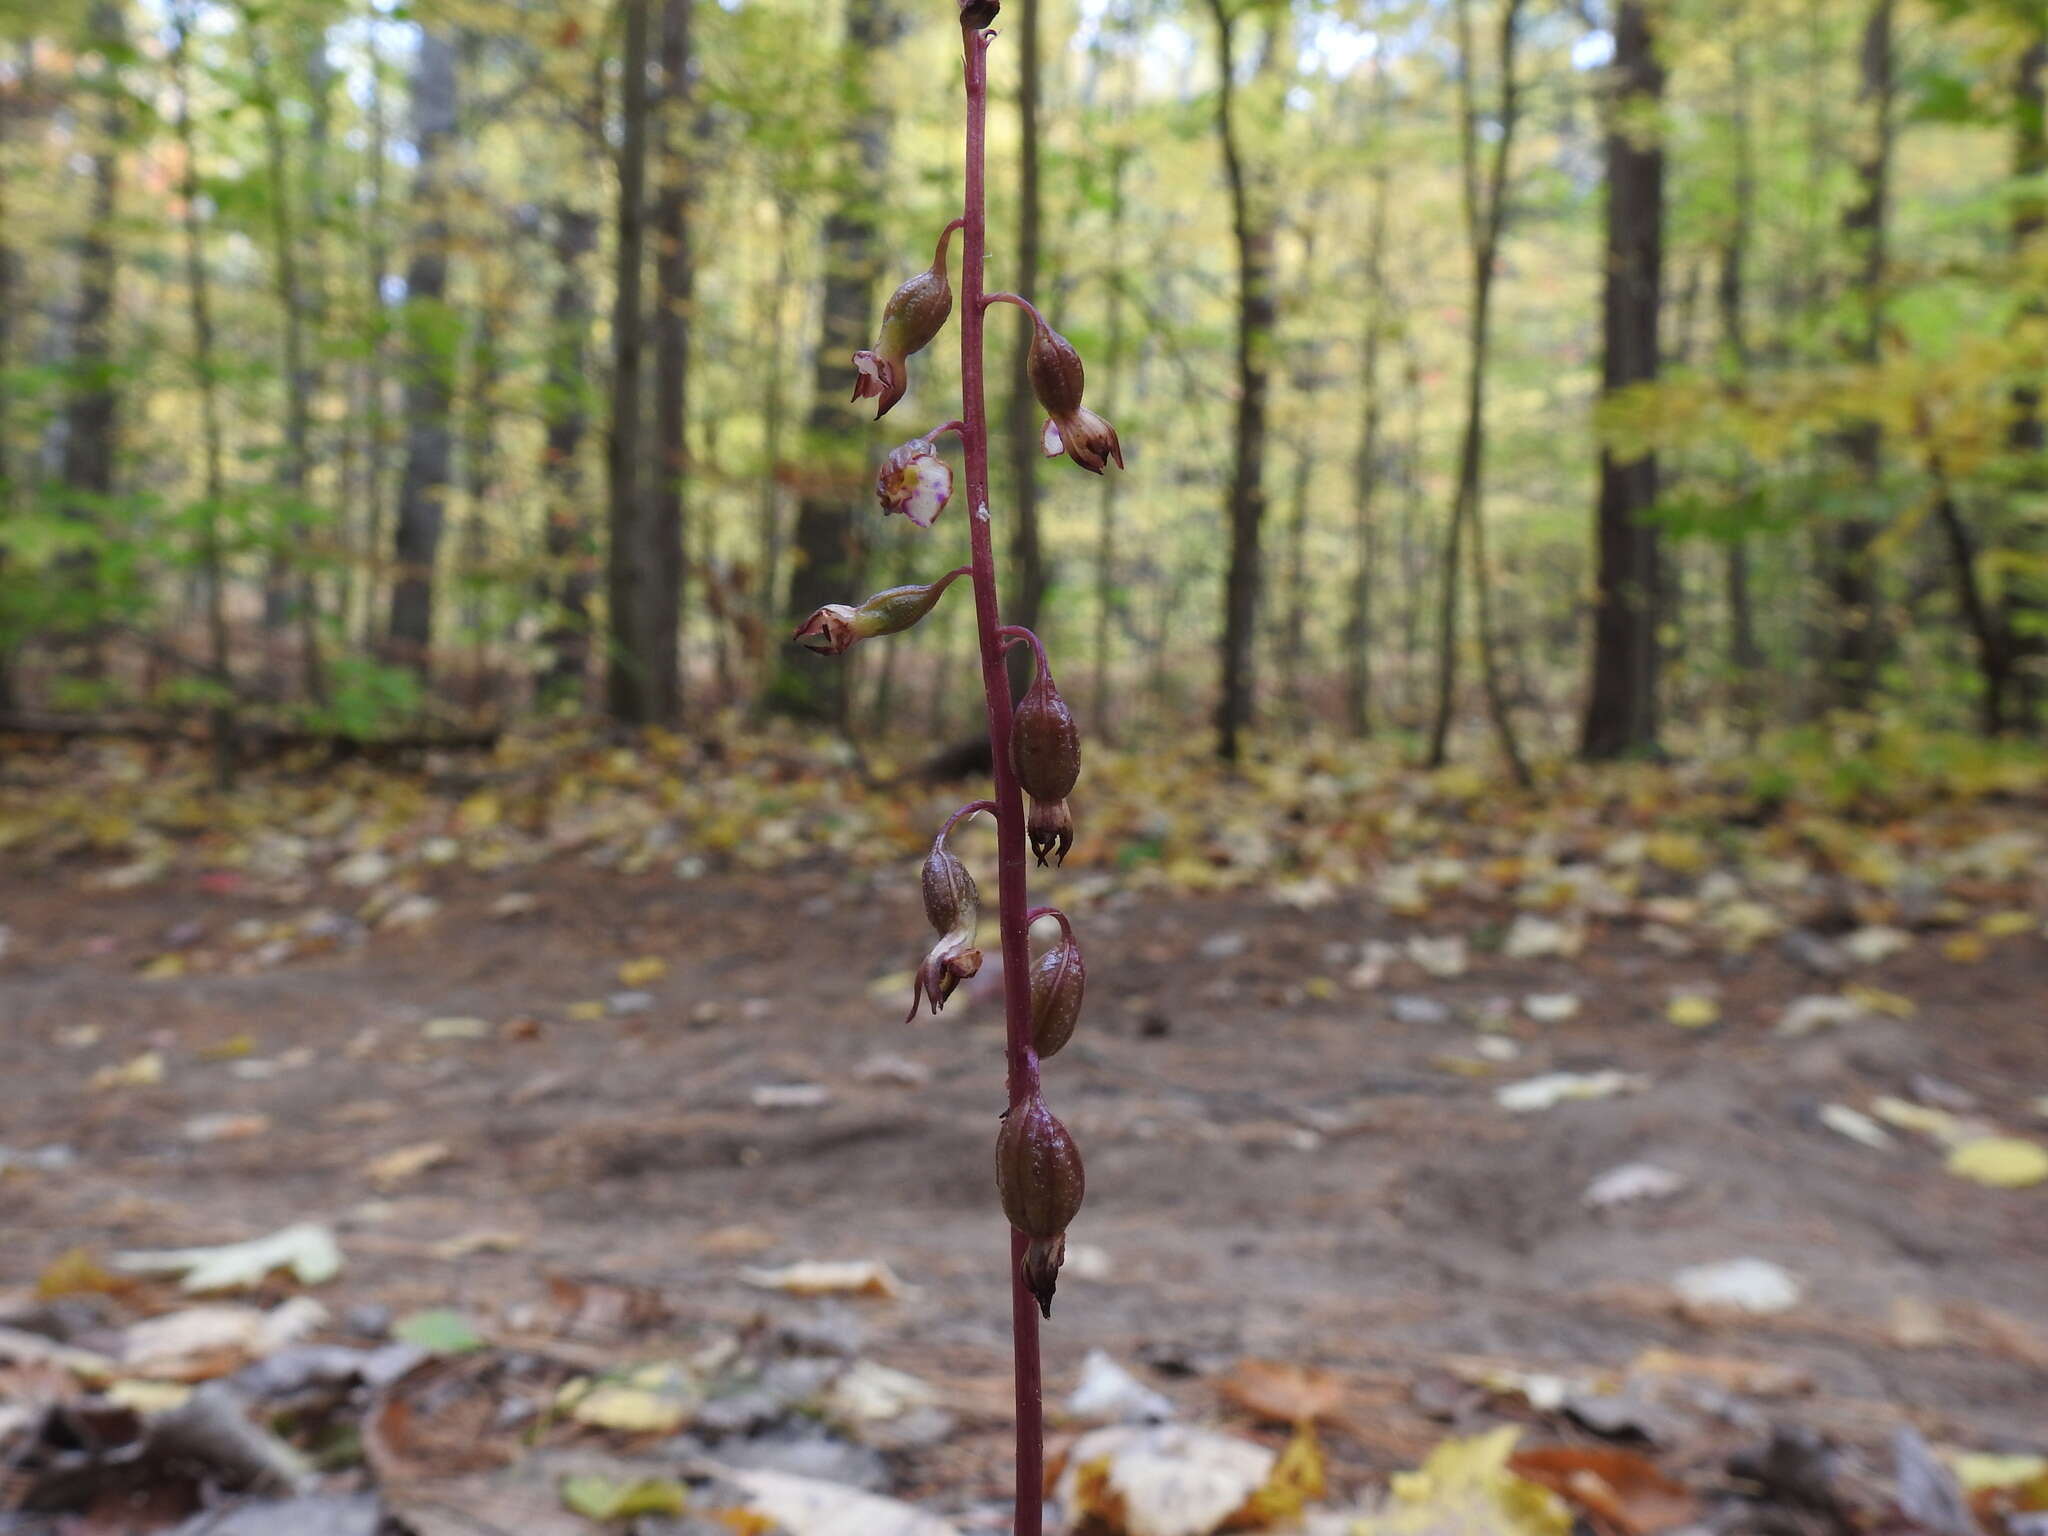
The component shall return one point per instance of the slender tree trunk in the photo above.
(632, 565)
(1027, 597)
(375, 361)
(480, 482)
(1257, 315)
(199, 303)
(674, 276)
(1294, 614)
(1621, 712)
(2025, 605)
(571, 551)
(1859, 641)
(423, 493)
(825, 542)
(1358, 628)
(10, 283)
(87, 461)
(774, 421)
(1987, 629)
(1731, 298)
(1485, 209)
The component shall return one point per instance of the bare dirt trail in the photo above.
(1279, 1164)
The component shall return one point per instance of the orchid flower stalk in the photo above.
(1035, 747)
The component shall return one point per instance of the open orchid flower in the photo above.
(1070, 428)
(915, 481)
(915, 313)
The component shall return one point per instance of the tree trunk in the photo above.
(1257, 314)
(2025, 605)
(10, 281)
(480, 481)
(825, 541)
(1026, 598)
(571, 551)
(1485, 210)
(674, 276)
(205, 378)
(1993, 642)
(375, 448)
(1858, 639)
(774, 420)
(1731, 299)
(1294, 612)
(423, 493)
(87, 462)
(1358, 627)
(1621, 712)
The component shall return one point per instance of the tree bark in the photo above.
(10, 281)
(571, 551)
(1731, 292)
(1358, 627)
(674, 276)
(87, 461)
(2025, 603)
(1485, 210)
(1858, 639)
(376, 450)
(1027, 596)
(1621, 711)
(423, 492)
(825, 542)
(1257, 314)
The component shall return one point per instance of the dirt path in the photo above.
(1278, 1164)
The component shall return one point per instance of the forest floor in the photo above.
(578, 1104)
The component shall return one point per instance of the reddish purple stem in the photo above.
(1011, 898)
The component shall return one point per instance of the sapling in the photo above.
(1035, 747)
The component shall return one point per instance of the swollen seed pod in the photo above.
(1057, 982)
(1045, 741)
(1055, 370)
(1041, 1182)
(951, 900)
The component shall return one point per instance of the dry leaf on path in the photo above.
(827, 1277)
(203, 1342)
(402, 1163)
(307, 1249)
(1554, 1088)
(2002, 1162)
(1619, 1489)
(1174, 1480)
(1747, 1285)
(809, 1506)
(1466, 1488)
(1281, 1392)
(1107, 1393)
(1750, 1378)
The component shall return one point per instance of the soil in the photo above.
(1277, 1166)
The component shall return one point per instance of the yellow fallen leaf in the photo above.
(638, 973)
(479, 812)
(144, 1071)
(1965, 948)
(822, 1277)
(630, 1410)
(2003, 1162)
(1979, 1470)
(2005, 925)
(167, 967)
(1692, 1010)
(585, 1012)
(1464, 1488)
(1296, 1481)
(148, 1397)
(403, 1163)
(1877, 1000)
(1928, 1121)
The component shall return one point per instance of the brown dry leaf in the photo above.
(1621, 1490)
(1751, 1378)
(809, 1506)
(403, 1163)
(603, 1310)
(75, 1272)
(825, 1277)
(1281, 1392)
(1176, 1480)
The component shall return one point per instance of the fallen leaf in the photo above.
(1747, 1378)
(148, 1397)
(438, 1331)
(1442, 956)
(635, 974)
(1692, 1010)
(1855, 1125)
(402, 1163)
(1466, 1488)
(603, 1498)
(144, 1071)
(1280, 1391)
(790, 1096)
(1630, 1183)
(1554, 1088)
(809, 1506)
(1551, 1007)
(826, 1277)
(456, 1028)
(203, 1342)
(485, 1240)
(75, 1272)
(1161, 1480)
(654, 1399)
(1936, 1124)
(205, 1129)
(1624, 1490)
(2002, 1162)
(1107, 1393)
(1749, 1285)
(307, 1249)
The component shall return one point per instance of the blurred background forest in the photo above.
(1577, 378)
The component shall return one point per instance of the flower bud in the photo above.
(1050, 827)
(1040, 1181)
(1071, 428)
(951, 899)
(915, 481)
(1057, 982)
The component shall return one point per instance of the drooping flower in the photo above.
(915, 481)
(1045, 754)
(952, 903)
(915, 313)
(1041, 1182)
(1071, 428)
(836, 627)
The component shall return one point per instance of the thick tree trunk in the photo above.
(1257, 314)
(1026, 597)
(1858, 641)
(87, 461)
(571, 550)
(1621, 712)
(674, 277)
(825, 543)
(423, 493)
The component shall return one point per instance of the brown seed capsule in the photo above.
(1045, 740)
(1041, 1182)
(1057, 982)
(951, 899)
(1055, 370)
